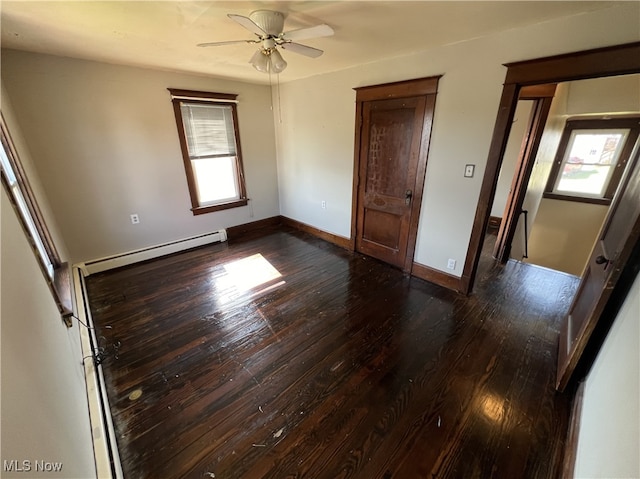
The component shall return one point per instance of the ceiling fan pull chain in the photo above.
(271, 91)
(279, 104)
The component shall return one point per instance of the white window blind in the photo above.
(209, 130)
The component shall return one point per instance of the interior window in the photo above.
(591, 159)
(16, 183)
(21, 195)
(208, 130)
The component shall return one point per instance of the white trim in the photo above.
(143, 254)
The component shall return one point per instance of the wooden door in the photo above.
(618, 237)
(392, 140)
(390, 149)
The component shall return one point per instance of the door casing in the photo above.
(601, 62)
(427, 87)
(542, 96)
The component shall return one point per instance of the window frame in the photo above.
(179, 97)
(56, 273)
(572, 124)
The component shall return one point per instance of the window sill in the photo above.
(579, 199)
(62, 289)
(200, 210)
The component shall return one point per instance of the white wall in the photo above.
(44, 407)
(104, 140)
(34, 179)
(316, 137)
(609, 438)
(315, 152)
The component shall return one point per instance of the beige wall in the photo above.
(563, 234)
(316, 137)
(609, 438)
(548, 226)
(44, 402)
(541, 168)
(519, 128)
(103, 138)
(604, 95)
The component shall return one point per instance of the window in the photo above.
(591, 159)
(208, 131)
(17, 186)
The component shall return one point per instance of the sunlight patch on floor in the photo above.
(245, 274)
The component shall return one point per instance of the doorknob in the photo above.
(407, 197)
(602, 260)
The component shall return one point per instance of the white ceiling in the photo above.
(164, 34)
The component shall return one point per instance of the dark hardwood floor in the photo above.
(339, 368)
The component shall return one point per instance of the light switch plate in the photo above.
(468, 171)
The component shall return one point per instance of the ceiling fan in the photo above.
(268, 26)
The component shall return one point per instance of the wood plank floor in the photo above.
(339, 368)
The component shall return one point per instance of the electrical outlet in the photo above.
(451, 264)
(324, 205)
(468, 171)
(135, 219)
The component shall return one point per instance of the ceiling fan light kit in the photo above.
(260, 61)
(268, 61)
(277, 62)
(268, 27)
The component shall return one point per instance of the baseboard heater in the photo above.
(105, 448)
(131, 257)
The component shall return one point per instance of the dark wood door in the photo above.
(619, 235)
(390, 153)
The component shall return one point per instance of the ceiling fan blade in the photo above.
(247, 23)
(311, 32)
(231, 42)
(302, 49)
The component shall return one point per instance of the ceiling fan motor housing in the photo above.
(268, 44)
(270, 21)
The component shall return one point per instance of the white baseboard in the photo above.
(131, 257)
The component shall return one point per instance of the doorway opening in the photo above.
(566, 172)
(614, 252)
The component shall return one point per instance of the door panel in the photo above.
(392, 132)
(382, 228)
(619, 235)
(391, 127)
